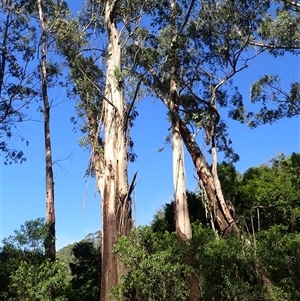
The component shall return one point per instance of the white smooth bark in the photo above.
(183, 226)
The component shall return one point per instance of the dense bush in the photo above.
(45, 281)
(261, 264)
(157, 269)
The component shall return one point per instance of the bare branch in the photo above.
(132, 104)
(187, 16)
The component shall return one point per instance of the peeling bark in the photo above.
(116, 202)
(109, 157)
(217, 204)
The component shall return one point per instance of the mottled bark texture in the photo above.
(50, 211)
(218, 207)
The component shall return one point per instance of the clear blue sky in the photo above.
(77, 203)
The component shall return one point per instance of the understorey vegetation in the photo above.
(261, 263)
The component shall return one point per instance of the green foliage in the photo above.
(86, 271)
(275, 101)
(19, 70)
(226, 267)
(275, 187)
(84, 261)
(282, 30)
(164, 220)
(119, 76)
(10, 259)
(25, 246)
(46, 281)
(229, 178)
(25, 273)
(65, 254)
(156, 267)
(279, 33)
(17, 48)
(30, 237)
(280, 255)
(86, 78)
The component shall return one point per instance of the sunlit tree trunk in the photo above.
(217, 206)
(181, 212)
(50, 212)
(116, 204)
(107, 123)
(182, 220)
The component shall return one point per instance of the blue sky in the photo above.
(22, 186)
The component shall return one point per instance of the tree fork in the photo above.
(225, 225)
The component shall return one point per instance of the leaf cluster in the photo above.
(274, 187)
(46, 281)
(156, 268)
(276, 102)
(86, 271)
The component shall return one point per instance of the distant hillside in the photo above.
(65, 254)
(95, 238)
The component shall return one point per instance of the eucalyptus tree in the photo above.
(47, 14)
(181, 213)
(23, 78)
(41, 17)
(50, 210)
(100, 77)
(214, 42)
(27, 73)
(183, 226)
(18, 44)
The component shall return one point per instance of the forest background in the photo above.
(97, 74)
(77, 202)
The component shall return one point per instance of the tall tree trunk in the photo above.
(50, 212)
(181, 212)
(116, 203)
(217, 205)
(182, 218)
(109, 156)
(218, 208)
